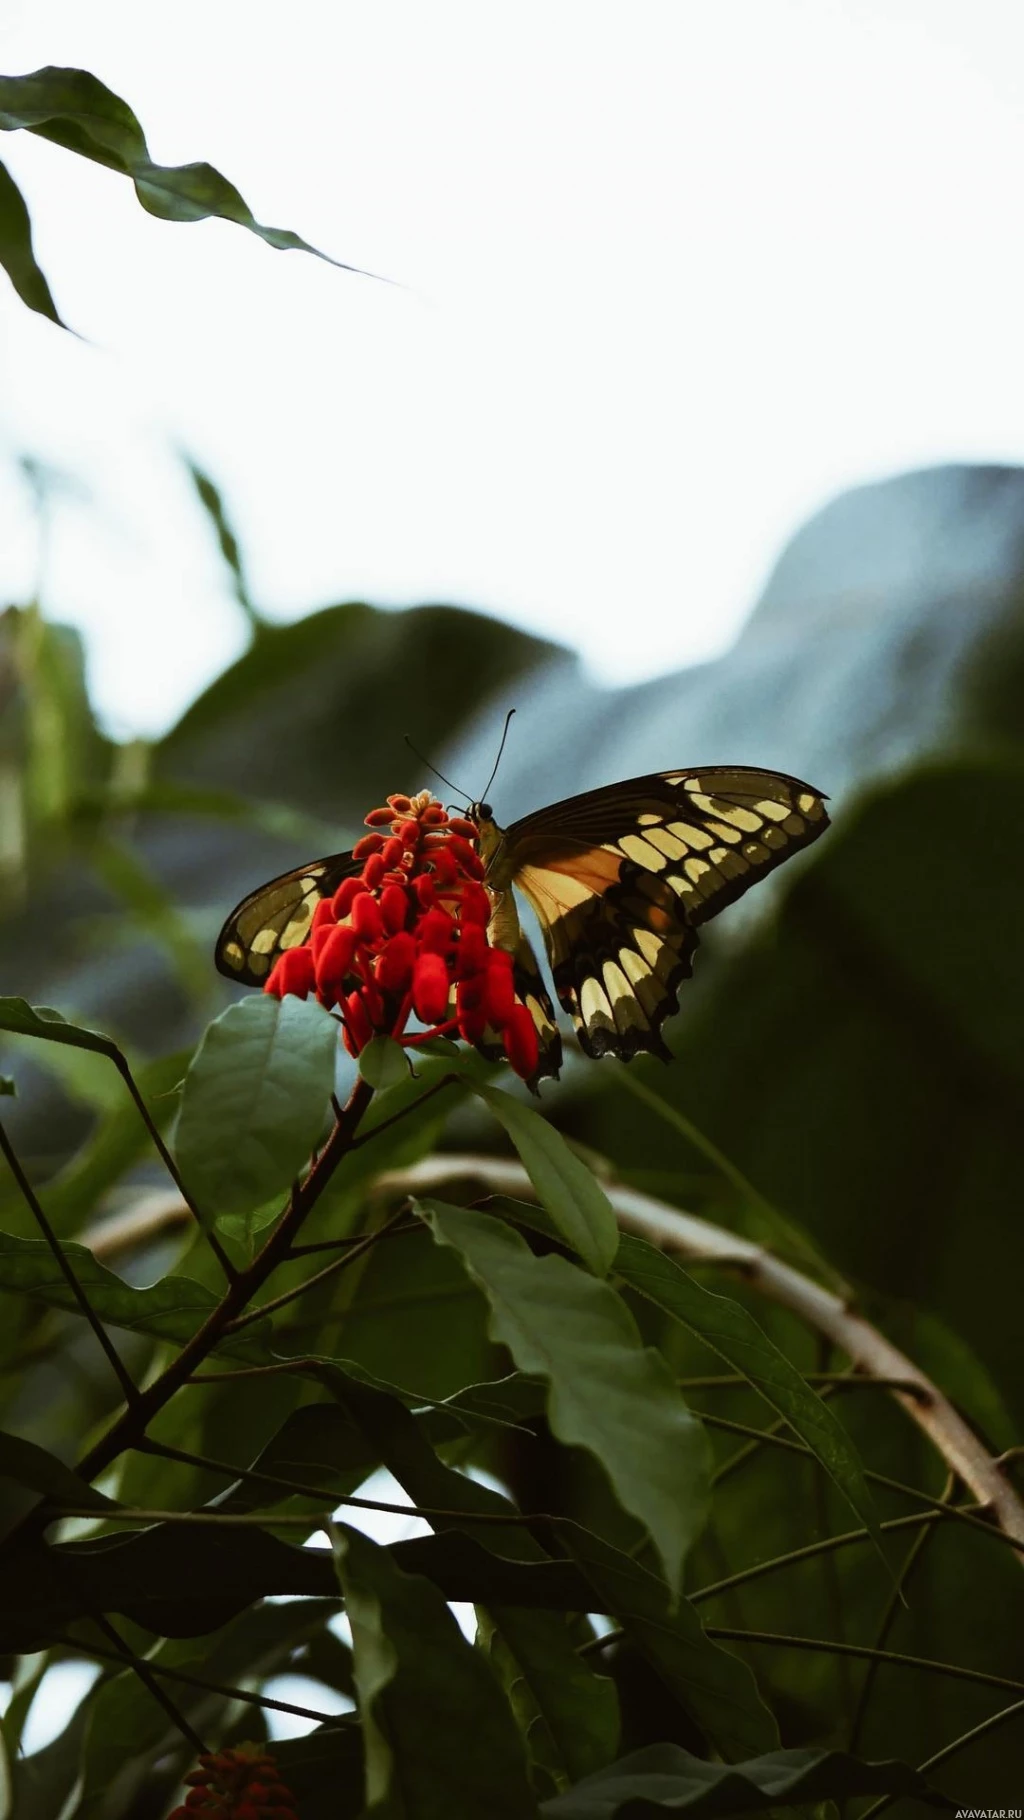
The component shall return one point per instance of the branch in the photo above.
(687, 1236)
(106, 1343)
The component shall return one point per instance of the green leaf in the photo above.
(578, 1707)
(663, 1779)
(213, 505)
(16, 255)
(576, 1202)
(606, 1391)
(172, 1309)
(438, 1733)
(33, 1467)
(324, 1770)
(8, 1086)
(716, 1688)
(23, 1019)
(731, 1331)
(74, 109)
(254, 1102)
(384, 1063)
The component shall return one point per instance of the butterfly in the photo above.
(619, 879)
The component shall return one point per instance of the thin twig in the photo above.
(60, 1258)
(895, 1600)
(306, 1251)
(836, 1380)
(144, 1673)
(449, 1080)
(320, 1276)
(212, 1687)
(297, 1489)
(923, 1520)
(686, 1236)
(950, 1750)
(866, 1653)
(121, 1064)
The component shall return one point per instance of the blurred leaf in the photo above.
(255, 1100)
(325, 1770)
(667, 1780)
(36, 1469)
(144, 903)
(8, 1086)
(438, 1733)
(729, 1330)
(16, 255)
(714, 1687)
(573, 1197)
(384, 1063)
(606, 1392)
(76, 110)
(213, 505)
(172, 1309)
(42, 1021)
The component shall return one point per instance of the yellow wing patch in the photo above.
(620, 878)
(276, 917)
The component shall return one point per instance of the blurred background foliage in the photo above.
(851, 1041)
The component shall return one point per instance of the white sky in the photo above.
(668, 276)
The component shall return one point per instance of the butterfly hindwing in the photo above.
(620, 878)
(276, 917)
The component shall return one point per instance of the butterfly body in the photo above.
(619, 880)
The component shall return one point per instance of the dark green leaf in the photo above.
(728, 1329)
(714, 1687)
(573, 1197)
(33, 1467)
(8, 1086)
(76, 110)
(254, 1101)
(213, 505)
(438, 1733)
(23, 1019)
(606, 1391)
(16, 255)
(667, 1780)
(384, 1063)
(171, 1309)
(578, 1707)
(324, 1770)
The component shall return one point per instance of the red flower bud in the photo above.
(366, 918)
(370, 843)
(445, 869)
(345, 896)
(475, 905)
(521, 1044)
(409, 835)
(373, 871)
(394, 908)
(433, 816)
(469, 1009)
(358, 1028)
(473, 951)
(499, 991)
(378, 818)
(436, 930)
(466, 855)
(292, 972)
(324, 913)
(334, 961)
(430, 988)
(400, 805)
(392, 852)
(459, 825)
(424, 889)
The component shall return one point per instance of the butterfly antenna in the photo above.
(430, 767)
(508, 722)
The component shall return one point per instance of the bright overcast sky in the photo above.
(667, 277)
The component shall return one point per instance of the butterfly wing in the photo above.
(620, 878)
(276, 917)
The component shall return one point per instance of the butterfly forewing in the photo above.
(276, 917)
(620, 877)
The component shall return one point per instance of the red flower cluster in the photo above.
(409, 934)
(239, 1784)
